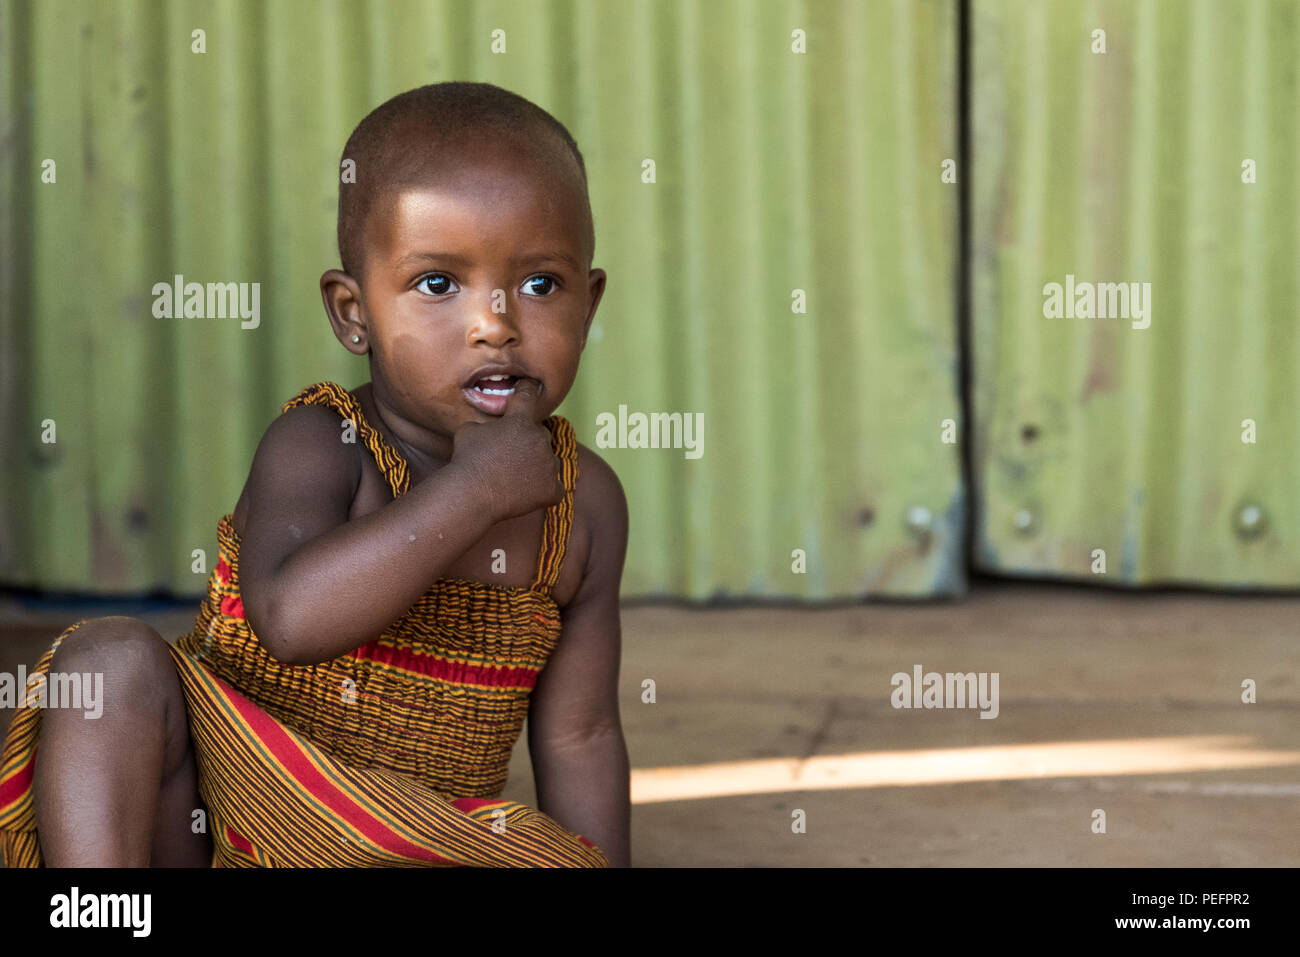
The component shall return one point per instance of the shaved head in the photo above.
(421, 137)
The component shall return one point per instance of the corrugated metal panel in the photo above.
(1127, 167)
(775, 171)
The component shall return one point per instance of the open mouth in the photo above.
(496, 385)
(490, 394)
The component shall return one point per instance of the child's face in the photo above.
(483, 267)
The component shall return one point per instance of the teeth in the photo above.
(495, 378)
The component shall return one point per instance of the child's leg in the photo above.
(119, 790)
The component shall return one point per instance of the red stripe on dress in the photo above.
(289, 755)
(470, 804)
(238, 841)
(454, 671)
(16, 784)
(232, 606)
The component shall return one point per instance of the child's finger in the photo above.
(524, 399)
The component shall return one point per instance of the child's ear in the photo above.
(342, 297)
(595, 289)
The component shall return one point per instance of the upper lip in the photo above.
(496, 368)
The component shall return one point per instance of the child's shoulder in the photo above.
(303, 454)
(316, 431)
(600, 517)
(598, 490)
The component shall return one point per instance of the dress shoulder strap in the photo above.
(559, 517)
(392, 465)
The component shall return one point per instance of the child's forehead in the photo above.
(494, 179)
(498, 178)
(481, 196)
(475, 164)
(501, 213)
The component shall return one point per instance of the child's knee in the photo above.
(129, 654)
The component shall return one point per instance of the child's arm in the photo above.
(315, 584)
(575, 737)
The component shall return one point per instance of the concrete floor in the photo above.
(1075, 665)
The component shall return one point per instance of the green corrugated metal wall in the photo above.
(776, 171)
(1126, 166)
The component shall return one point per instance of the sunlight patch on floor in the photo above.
(875, 769)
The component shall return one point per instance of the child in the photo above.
(412, 569)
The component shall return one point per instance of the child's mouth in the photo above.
(491, 394)
(496, 385)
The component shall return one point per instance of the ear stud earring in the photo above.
(356, 338)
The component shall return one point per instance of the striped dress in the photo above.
(392, 755)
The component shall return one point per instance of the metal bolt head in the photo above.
(919, 520)
(1024, 521)
(1250, 521)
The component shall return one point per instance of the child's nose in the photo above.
(493, 324)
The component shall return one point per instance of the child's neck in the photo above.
(425, 452)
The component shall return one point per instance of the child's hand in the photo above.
(510, 458)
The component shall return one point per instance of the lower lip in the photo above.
(491, 404)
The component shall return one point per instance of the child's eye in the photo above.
(529, 283)
(434, 278)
